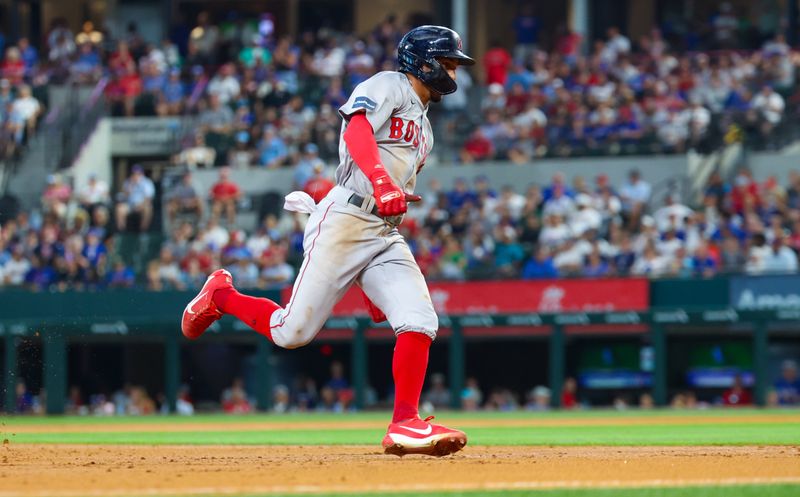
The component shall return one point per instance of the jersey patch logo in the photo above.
(364, 103)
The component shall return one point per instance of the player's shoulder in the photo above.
(388, 81)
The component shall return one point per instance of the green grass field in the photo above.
(746, 432)
(743, 427)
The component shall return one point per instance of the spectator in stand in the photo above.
(28, 54)
(779, 258)
(540, 266)
(94, 194)
(241, 156)
(471, 396)
(224, 85)
(56, 196)
(126, 88)
(183, 199)
(16, 267)
(120, 276)
(25, 111)
(199, 154)
(526, 30)
(538, 399)
(508, 253)
(275, 272)
(225, 195)
(496, 63)
(13, 67)
(172, 96)
(477, 148)
(635, 196)
(308, 165)
(87, 67)
(164, 273)
(737, 395)
(618, 44)
(568, 43)
(787, 386)
(272, 148)
(217, 118)
(24, 399)
(136, 198)
(569, 399)
(437, 395)
(769, 106)
(318, 185)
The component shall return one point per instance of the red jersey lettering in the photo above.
(396, 128)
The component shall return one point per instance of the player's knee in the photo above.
(425, 323)
(293, 338)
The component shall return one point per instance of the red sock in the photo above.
(252, 311)
(409, 364)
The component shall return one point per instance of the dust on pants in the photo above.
(345, 245)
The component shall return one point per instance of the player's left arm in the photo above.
(369, 107)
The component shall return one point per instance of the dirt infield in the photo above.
(67, 470)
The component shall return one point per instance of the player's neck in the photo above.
(420, 89)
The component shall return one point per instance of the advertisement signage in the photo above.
(763, 293)
(497, 297)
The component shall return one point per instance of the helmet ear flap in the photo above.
(438, 79)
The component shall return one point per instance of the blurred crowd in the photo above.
(583, 228)
(335, 395)
(629, 97)
(258, 99)
(597, 229)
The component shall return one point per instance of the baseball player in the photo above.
(352, 237)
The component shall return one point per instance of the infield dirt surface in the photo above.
(67, 470)
(29, 469)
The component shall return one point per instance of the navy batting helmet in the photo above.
(421, 46)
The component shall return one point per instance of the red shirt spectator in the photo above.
(477, 148)
(496, 63)
(568, 398)
(318, 187)
(121, 58)
(744, 187)
(13, 68)
(737, 395)
(225, 189)
(130, 84)
(568, 44)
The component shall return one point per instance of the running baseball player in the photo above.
(352, 237)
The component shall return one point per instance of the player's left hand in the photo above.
(389, 198)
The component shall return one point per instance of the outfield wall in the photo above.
(678, 316)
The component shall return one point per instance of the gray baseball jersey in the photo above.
(345, 244)
(401, 127)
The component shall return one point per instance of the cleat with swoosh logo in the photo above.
(201, 312)
(418, 436)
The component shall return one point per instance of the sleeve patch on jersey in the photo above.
(364, 103)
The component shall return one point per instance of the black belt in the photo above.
(358, 201)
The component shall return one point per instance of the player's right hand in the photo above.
(389, 198)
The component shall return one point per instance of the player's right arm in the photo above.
(368, 108)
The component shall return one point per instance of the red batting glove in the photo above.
(389, 198)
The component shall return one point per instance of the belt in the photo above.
(358, 201)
